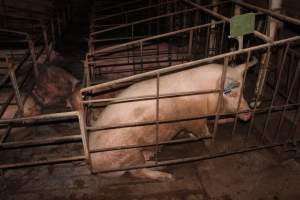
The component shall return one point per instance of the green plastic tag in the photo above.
(242, 24)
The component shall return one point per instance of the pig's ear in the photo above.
(230, 84)
(242, 67)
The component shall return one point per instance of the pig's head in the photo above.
(31, 108)
(233, 91)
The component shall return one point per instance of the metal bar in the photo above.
(45, 37)
(190, 43)
(276, 89)
(169, 142)
(264, 68)
(48, 141)
(157, 119)
(240, 96)
(33, 57)
(141, 57)
(195, 158)
(287, 101)
(210, 116)
(16, 89)
(43, 162)
(220, 99)
(150, 97)
(56, 116)
(84, 136)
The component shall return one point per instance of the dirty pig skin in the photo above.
(207, 77)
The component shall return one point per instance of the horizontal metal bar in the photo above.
(48, 141)
(150, 97)
(195, 158)
(202, 116)
(170, 142)
(56, 116)
(42, 162)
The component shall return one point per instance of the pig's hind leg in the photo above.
(150, 173)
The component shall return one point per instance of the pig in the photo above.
(207, 77)
(52, 86)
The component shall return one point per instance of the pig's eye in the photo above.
(231, 93)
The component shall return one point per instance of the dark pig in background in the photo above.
(53, 85)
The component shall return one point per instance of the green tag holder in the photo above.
(241, 25)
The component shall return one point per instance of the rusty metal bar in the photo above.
(276, 88)
(169, 142)
(48, 141)
(240, 96)
(43, 162)
(15, 87)
(56, 116)
(265, 67)
(157, 118)
(195, 158)
(33, 56)
(296, 75)
(46, 41)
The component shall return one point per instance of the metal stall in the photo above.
(27, 38)
(273, 124)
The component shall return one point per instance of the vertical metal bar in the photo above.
(287, 101)
(276, 90)
(206, 50)
(16, 88)
(132, 34)
(157, 118)
(53, 33)
(45, 35)
(222, 38)
(33, 56)
(83, 131)
(220, 99)
(58, 25)
(290, 74)
(133, 58)
(240, 97)
(257, 98)
(141, 57)
(190, 44)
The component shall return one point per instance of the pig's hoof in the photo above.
(152, 174)
(166, 177)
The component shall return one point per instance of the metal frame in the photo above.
(50, 29)
(264, 142)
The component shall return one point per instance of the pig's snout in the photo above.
(245, 116)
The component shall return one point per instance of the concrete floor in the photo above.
(256, 175)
